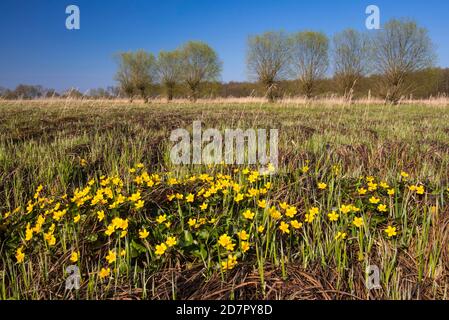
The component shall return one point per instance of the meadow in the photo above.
(90, 183)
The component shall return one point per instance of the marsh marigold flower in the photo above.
(391, 231)
(340, 236)
(160, 249)
(284, 227)
(333, 216)
(74, 256)
(171, 241)
(248, 214)
(374, 200)
(322, 186)
(243, 235)
(295, 224)
(20, 256)
(244, 246)
(104, 272)
(358, 222)
(111, 257)
(143, 234)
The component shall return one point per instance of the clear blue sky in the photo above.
(36, 48)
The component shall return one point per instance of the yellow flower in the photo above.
(139, 204)
(345, 209)
(20, 256)
(420, 190)
(110, 230)
(372, 186)
(284, 227)
(225, 241)
(230, 263)
(179, 196)
(74, 256)
(244, 246)
(358, 222)
(143, 234)
(243, 235)
(50, 238)
(391, 231)
(314, 210)
(191, 222)
(374, 200)
(260, 229)
(135, 197)
(291, 211)
(203, 206)
(283, 205)
(309, 217)
(305, 169)
(248, 215)
(362, 191)
(77, 218)
(160, 249)
(274, 213)
(382, 208)
(28, 233)
(391, 192)
(404, 174)
(262, 204)
(104, 272)
(111, 257)
(295, 224)
(384, 185)
(171, 241)
(100, 215)
(161, 218)
(322, 186)
(333, 216)
(238, 198)
(170, 197)
(340, 235)
(190, 197)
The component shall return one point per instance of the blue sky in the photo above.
(36, 48)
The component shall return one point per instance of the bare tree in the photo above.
(124, 74)
(169, 66)
(267, 58)
(143, 72)
(350, 53)
(199, 63)
(310, 59)
(137, 71)
(401, 48)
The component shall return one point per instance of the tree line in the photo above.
(394, 53)
(391, 63)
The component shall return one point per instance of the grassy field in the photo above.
(90, 184)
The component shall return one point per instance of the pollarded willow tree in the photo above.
(350, 56)
(136, 74)
(123, 75)
(309, 59)
(401, 48)
(169, 67)
(143, 73)
(267, 60)
(200, 63)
